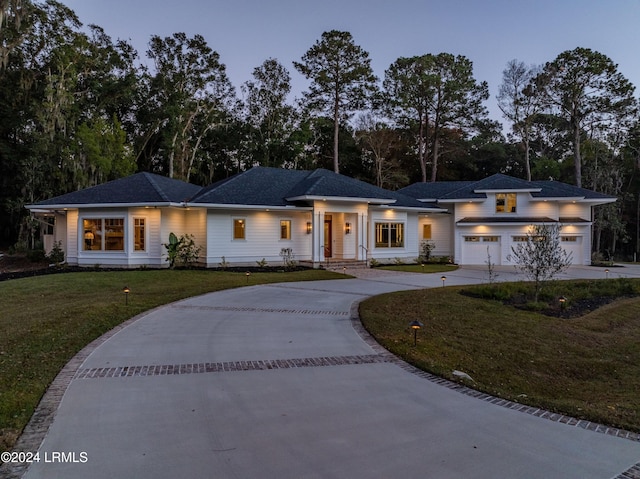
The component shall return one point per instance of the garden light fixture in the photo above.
(415, 325)
(126, 292)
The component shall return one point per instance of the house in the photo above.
(489, 216)
(319, 215)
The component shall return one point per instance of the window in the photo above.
(238, 229)
(389, 235)
(139, 234)
(472, 239)
(506, 202)
(491, 239)
(103, 234)
(285, 229)
(569, 239)
(522, 239)
(426, 232)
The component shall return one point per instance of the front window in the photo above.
(103, 234)
(389, 235)
(426, 232)
(239, 229)
(506, 202)
(285, 229)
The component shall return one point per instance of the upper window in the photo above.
(103, 234)
(426, 232)
(389, 235)
(239, 229)
(285, 229)
(506, 202)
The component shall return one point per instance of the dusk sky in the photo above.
(488, 32)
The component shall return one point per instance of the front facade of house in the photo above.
(320, 216)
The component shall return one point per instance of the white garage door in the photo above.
(573, 245)
(475, 249)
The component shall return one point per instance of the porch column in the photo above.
(363, 238)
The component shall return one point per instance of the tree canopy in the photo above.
(78, 108)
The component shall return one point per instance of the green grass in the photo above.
(46, 320)
(587, 367)
(417, 268)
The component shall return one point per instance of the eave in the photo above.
(75, 206)
(227, 206)
(343, 199)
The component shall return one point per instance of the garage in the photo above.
(477, 248)
(573, 244)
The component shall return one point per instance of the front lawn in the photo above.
(586, 366)
(46, 320)
(421, 268)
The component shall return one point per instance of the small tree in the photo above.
(541, 257)
(183, 249)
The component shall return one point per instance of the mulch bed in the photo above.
(19, 266)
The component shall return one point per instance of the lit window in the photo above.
(506, 202)
(491, 239)
(389, 235)
(103, 234)
(472, 239)
(285, 229)
(139, 234)
(238, 229)
(426, 232)
(569, 239)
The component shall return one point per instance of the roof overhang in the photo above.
(343, 199)
(411, 208)
(227, 206)
(75, 206)
(505, 221)
(509, 190)
(463, 200)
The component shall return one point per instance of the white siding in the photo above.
(262, 237)
(409, 252)
(72, 228)
(441, 233)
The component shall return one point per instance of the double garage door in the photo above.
(476, 249)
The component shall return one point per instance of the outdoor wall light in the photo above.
(126, 292)
(308, 227)
(415, 325)
(443, 278)
(347, 228)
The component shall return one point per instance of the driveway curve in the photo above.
(274, 381)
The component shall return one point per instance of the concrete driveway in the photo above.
(275, 381)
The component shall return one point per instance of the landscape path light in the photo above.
(443, 278)
(247, 274)
(606, 271)
(126, 292)
(415, 325)
(563, 302)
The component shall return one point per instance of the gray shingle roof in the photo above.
(463, 190)
(264, 186)
(140, 188)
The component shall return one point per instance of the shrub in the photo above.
(56, 255)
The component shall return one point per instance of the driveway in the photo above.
(276, 381)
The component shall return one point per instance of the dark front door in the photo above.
(328, 251)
